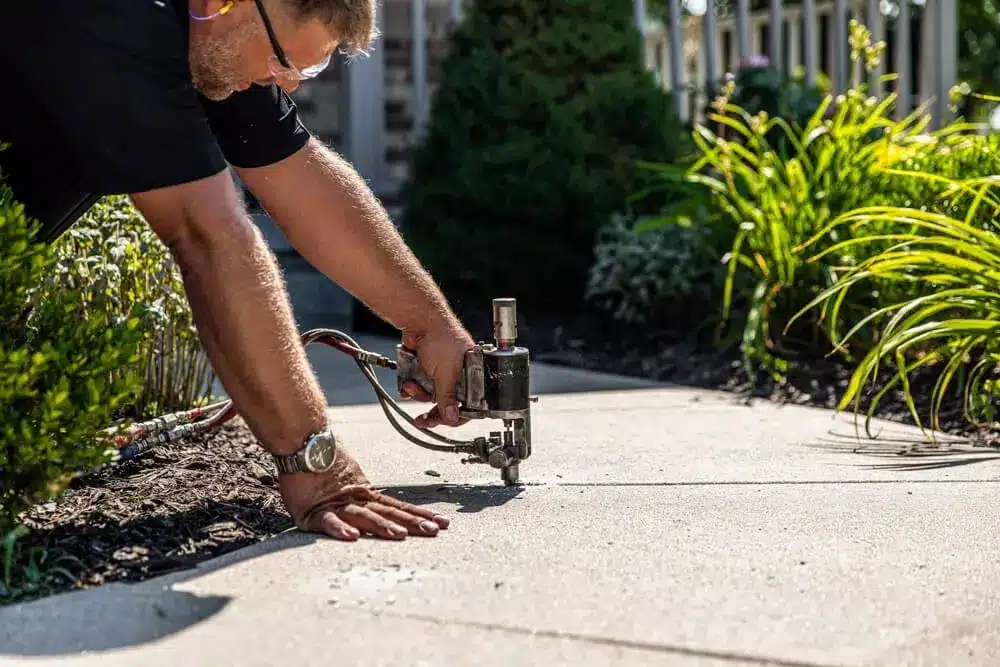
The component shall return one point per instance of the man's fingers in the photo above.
(329, 523)
(368, 521)
(378, 514)
(430, 419)
(416, 510)
(416, 525)
(445, 381)
(413, 390)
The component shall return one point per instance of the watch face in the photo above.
(321, 453)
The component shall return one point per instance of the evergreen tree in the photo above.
(542, 114)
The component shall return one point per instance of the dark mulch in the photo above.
(185, 503)
(175, 506)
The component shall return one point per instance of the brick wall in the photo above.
(318, 100)
(399, 98)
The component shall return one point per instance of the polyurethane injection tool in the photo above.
(494, 384)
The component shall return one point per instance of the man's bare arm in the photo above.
(241, 308)
(332, 218)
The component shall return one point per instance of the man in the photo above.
(155, 98)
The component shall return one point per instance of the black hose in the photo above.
(386, 401)
(163, 430)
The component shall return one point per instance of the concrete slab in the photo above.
(678, 436)
(666, 526)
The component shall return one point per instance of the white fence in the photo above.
(806, 35)
(811, 35)
(715, 35)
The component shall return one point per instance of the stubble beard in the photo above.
(215, 64)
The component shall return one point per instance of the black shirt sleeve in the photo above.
(134, 141)
(114, 91)
(256, 127)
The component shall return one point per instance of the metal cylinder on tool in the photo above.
(508, 382)
(505, 322)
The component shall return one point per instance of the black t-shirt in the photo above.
(99, 101)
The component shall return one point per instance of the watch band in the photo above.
(290, 463)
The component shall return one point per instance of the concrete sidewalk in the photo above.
(656, 526)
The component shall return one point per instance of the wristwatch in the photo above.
(317, 455)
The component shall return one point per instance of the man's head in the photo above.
(236, 43)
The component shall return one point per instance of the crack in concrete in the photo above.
(655, 647)
(779, 482)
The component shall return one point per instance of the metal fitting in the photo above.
(505, 322)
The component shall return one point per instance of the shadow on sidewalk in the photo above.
(911, 454)
(469, 499)
(123, 615)
(120, 615)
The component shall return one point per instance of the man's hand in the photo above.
(343, 505)
(441, 353)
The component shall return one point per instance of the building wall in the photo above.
(321, 101)
(318, 104)
(398, 81)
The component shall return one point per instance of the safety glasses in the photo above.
(281, 67)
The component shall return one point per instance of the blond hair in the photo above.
(353, 21)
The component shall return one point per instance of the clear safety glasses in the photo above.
(281, 67)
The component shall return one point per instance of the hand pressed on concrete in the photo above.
(343, 504)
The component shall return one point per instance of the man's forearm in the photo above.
(241, 309)
(332, 218)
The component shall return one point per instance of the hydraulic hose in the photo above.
(142, 436)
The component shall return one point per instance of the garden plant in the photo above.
(112, 260)
(945, 316)
(542, 115)
(61, 377)
(95, 332)
(847, 155)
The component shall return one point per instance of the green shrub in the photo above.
(934, 254)
(757, 89)
(917, 178)
(979, 55)
(31, 571)
(664, 270)
(657, 272)
(948, 315)
(772, 205)
(60, 371)
(111, 260)
(542, 114)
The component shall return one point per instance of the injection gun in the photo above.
(494, 384)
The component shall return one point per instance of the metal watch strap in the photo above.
(291, 463)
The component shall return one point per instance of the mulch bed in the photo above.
(184, 503)
(171, 508)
